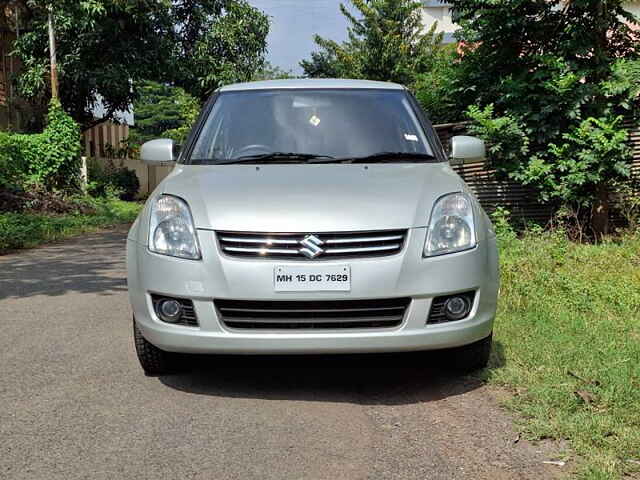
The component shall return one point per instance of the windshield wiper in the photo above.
(381, 157)
(289, 157)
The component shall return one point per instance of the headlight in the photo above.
(171, 231)
(451, 228)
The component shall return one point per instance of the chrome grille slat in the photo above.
(331, 241)
(311, 314)
(262, 240)
(394, 246)
(328, 245)
(262, 251)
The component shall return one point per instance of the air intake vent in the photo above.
(335, 314)
(316, 246)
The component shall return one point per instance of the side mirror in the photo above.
(466, 149)
(157, 152)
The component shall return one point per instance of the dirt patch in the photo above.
(456, 429)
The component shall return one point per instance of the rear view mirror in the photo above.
(160, 151)
(465, 149)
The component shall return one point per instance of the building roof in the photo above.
(310, 83)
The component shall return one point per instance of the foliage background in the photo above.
(49, 160)
(107, 49)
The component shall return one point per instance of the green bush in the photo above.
(507, 143)
(594, 150)
(13, 165)
(440, 88)
(501, 219)
(126, 180)
(49, 160)
(109, 180)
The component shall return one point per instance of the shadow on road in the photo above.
(381, 379)
(87, 264)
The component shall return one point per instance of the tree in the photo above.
(558, 70)
(441, 89)
(387, 43)
(272, 72)
(163, 111)
(104, 47)
(107, 48)
(216, 42)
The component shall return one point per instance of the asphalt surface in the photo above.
(74, 402)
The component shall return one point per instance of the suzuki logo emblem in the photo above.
(311, 246)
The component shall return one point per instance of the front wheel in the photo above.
(152, 360)
(468, 358)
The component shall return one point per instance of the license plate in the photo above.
(312, 278)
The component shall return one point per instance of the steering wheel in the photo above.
(248, 149)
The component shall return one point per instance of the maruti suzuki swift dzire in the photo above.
(312, 217)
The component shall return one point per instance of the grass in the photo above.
(26, 230)
(568, 346)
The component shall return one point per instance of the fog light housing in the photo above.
(449, 308)
(170, 310)
(456, 308)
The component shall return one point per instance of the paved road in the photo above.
(75, 404)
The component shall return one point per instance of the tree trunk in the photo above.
(52, 52)
(600, 211)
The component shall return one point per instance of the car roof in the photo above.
(304, 83)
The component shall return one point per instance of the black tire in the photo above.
(153, 361)
(469, 358)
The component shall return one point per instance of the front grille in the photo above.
(315, 314)
(316, 246)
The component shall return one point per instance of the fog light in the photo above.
(456, 308)
(170, 310)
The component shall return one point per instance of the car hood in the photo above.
(311, 198)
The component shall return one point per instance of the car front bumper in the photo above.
(406, 274)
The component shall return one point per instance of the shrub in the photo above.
(49, 160)
(597, 149)
(126, 180)
(501, 219)
(58, 162)
(507, 143)
(440, 88)
(13, 165)
(108, 180)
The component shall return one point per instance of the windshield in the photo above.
(296, 125)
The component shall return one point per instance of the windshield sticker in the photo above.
(410, 137)
(315, 121)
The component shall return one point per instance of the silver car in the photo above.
(312, 217)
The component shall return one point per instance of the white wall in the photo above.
(634, 7)
(436, 11)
